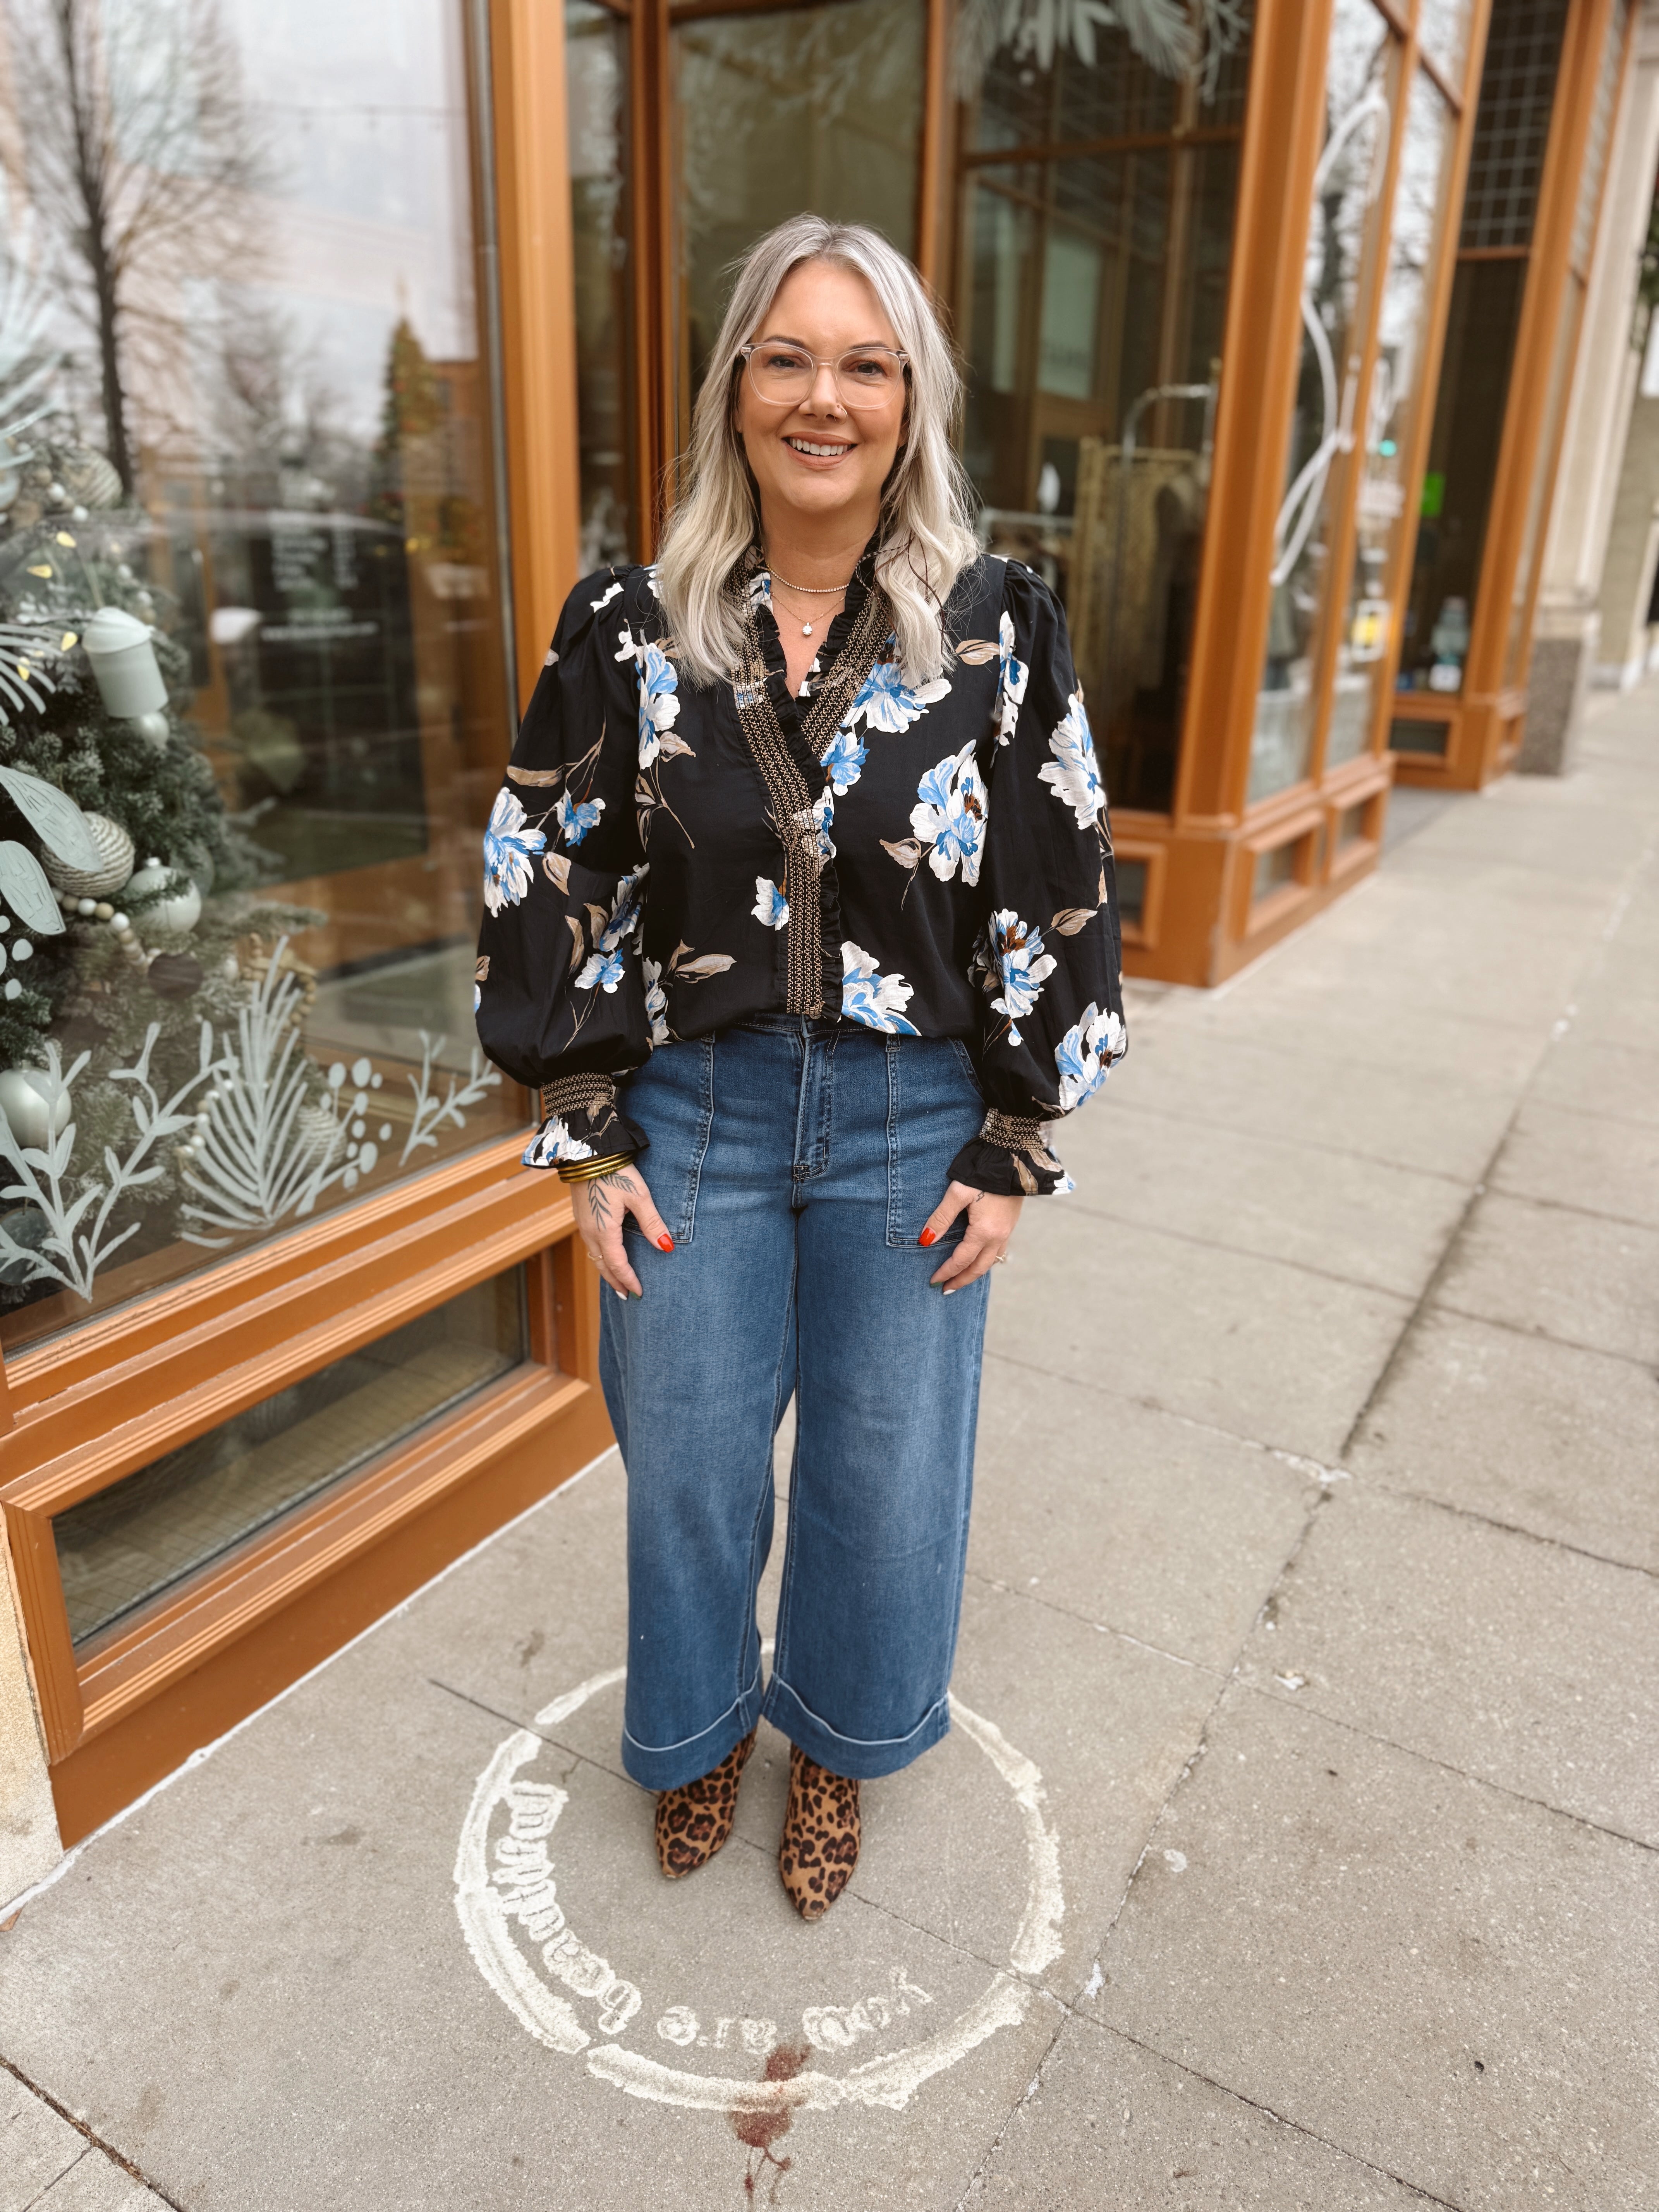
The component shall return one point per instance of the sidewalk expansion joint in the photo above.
(1294, 1700)
(1529, 1333)
(1509, 1528)
(1243, 1251)
(1299, 1144)
(1302, 1463)
(1088, 1620)
(1284, 2119)
(553, 1743)
(96, 2141)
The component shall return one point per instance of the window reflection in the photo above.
(597, 78)
(1419, 213)
(245, 422)
(805, 107)
(1361, 77)
(1093, 291)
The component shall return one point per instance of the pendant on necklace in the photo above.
(806, 629)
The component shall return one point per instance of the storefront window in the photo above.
(815, 107)
(1098, 185)
(1340, 274)
(251, 663)
(126, 1546)
(1418, 220)
(1506, 167)
(596, 74)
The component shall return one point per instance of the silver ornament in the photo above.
(155, 729)
(115, 859)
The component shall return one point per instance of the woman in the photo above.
(800, 915)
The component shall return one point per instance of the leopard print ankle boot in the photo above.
(694, 1821)
(821, 1833)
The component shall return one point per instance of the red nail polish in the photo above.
(928, 1236)
(664, 1243)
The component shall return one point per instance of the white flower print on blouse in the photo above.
(770, 905)
(950, 817)
(576, 817)
(1085, 1054)
(553, 1141)
(508, 849)
(886, 702)
(614, 593)
(877, 1001)
(1073, 774)
(1015, 949)
(1014, 676)
(660, 704)
(818, 817)
(844, 758)
(656, 1002)
(603, 968)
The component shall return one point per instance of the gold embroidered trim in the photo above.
(785, 787)
(578, 1094)
(1015, 1132)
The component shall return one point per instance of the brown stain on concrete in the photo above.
(759, 2131)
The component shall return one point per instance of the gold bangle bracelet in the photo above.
(592, 1170)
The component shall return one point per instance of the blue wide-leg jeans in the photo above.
(795, 1162)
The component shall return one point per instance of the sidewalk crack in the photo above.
(95, 2141)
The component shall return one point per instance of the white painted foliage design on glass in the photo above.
(79, 1236)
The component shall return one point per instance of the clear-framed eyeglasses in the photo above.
(784, 374)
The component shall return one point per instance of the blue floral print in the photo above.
(603, 968)
(770, 905)
(1073, 774)
(1085, 1054)
(993, 927)
(877, 1001)
(885, 702)
(1016, 949)
(1014, 675)
(553, 1142)
(844, 757)
(508, 849)
(576, 818)
(658, 692)
(950, 815)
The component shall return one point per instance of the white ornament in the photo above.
(115, 859)
(155, 729)
(23, 1104)
(123, 663)
(170, 917)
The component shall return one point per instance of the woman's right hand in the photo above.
(601, 1207)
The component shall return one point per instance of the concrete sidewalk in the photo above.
(1296, 1846)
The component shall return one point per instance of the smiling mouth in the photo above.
(818, 451)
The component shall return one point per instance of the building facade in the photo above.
(334, 345)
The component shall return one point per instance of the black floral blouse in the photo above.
(664, 859)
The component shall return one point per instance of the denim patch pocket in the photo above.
(672, 1099)
(933, 1109)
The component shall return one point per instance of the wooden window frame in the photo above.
(83, 1409)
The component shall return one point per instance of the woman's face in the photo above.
(820, 457)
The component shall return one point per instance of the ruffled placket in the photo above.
(787, 738)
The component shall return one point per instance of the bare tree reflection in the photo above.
(142, 160)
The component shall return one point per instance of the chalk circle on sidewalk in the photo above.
(517, 1930)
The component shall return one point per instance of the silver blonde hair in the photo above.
(926, 541)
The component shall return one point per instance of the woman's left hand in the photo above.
(991, 1223)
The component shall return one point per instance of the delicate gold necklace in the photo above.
(811, 591)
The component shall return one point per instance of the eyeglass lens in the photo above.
(863, 378)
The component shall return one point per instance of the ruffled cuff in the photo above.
(1010, 1157)
(582, 1122)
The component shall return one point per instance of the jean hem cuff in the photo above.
(859, 1758)
(696, 1755)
